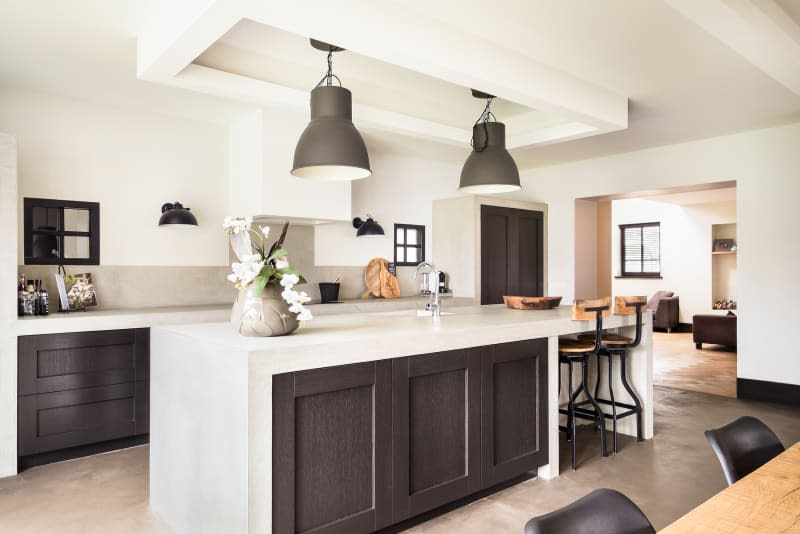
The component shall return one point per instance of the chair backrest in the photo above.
(582, 309)
(629, 305)
(743, 446)
(603, 511)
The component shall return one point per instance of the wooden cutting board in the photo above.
(380, 282)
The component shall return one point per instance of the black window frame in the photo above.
(641, 273)
(93, 234)
(420, 246)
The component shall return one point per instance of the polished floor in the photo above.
(678, 364)
(666, 476)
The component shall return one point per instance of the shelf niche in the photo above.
(723, 265)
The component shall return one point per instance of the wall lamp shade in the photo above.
(330, 148)
(368, 228)
(174, 214)
(491, 170)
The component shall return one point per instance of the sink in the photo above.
(413, 313)
(428, 313)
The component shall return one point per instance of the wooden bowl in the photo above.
(531, 303)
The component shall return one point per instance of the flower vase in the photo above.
(264, 315)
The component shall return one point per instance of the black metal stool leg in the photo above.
(611, 397)
(629, 389)
(600, 417)
(571, 418)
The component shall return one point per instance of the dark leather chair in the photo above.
(603, 511)
(743, 446)
(714, 329)
(666, 310)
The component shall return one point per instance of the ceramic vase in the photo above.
(265, 315)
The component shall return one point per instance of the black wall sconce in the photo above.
(174, 214)
(368, 228)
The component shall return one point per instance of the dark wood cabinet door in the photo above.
(513, 409)
(436, 430)
(331, 449)
(512, 253)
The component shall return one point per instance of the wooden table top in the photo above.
(765, 501)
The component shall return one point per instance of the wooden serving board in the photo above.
(380, 282)
(531, 303)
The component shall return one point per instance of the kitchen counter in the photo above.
(211, 396)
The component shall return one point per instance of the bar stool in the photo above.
(577, 351)
(615, 344)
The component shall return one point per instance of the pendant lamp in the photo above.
(489, 168)
(330, 148)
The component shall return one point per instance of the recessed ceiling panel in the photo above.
(264, 53)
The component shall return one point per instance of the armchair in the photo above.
(666, 307)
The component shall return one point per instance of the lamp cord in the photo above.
(486, 116)
(329, 75)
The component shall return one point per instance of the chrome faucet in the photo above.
(434, 305)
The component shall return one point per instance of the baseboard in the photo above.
(682, 327)
(762, 390)
(33, 460)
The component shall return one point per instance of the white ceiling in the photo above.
(683, 80)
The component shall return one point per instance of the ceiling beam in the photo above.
(759, 30)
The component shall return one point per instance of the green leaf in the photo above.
(279, 253)
(259, 284)
(268, 271)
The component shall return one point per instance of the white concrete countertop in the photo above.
(225, 483)
(362, 337)
(115, 319)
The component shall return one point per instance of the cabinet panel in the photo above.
(52, 421)
(436, 403)
(513, 409)
(332, 450)
(61, 362)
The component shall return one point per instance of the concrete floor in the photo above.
(678, 364)
(666, 476)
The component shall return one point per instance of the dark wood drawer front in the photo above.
(52, 421)
(61, 362)
(514, 409)
(331, 449)
(436, 430)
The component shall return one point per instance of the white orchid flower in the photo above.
(290, 280)
(281, 263)
(265, 231)
(305, 315)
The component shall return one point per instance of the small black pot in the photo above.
(328, 292)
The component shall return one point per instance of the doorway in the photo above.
(678, 248)
(512, 253)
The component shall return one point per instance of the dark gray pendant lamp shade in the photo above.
(330, 148)
(174, 214)
(489, 168)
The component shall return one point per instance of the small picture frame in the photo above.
(724, 245)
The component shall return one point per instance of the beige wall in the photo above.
(586, 249)
(604, 273)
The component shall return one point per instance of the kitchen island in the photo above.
(358, 421)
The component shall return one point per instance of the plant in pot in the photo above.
(267, 303)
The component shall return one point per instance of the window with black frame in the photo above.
(641, 249)
(61, 232)
(409, 244)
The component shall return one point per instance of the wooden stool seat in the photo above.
(608, 339)
(575, 346)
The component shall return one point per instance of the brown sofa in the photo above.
(666, 308)
(714, 329)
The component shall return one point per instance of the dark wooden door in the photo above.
(513, 409)
(512, 253)
(436, 430)
(331, 449)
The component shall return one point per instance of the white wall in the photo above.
(131, 163)
(586, 259)
(766, 166)
(8, 311)
(685, 250)
(400, 190)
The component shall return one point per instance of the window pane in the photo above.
(45, 246)
(401, 255)
(652, 266)
(411, 255)
(76, 247)
(76, 220)
(45, 218)
(399, 238)
(411, 233)
(633, 267)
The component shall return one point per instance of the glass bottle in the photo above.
(43, 299)
(21, 295)
(29, 302)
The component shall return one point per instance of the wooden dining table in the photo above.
(765, 501)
